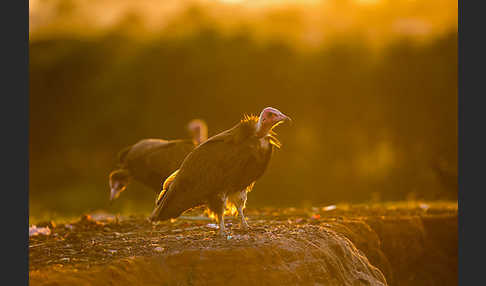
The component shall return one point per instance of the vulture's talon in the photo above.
(245, 227)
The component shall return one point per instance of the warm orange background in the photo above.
(371, 86)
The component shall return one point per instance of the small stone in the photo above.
(34, 230)
(86, 217)
(316, 216)
(212, 225)
(329, 208)
(424, 206)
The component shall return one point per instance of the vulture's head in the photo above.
(269, 118)
(198, 130)
(118, 183)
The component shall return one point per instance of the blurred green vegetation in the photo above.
(369, 124)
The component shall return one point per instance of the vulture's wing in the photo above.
(169, 155)
(122, 155)
(164, 161)
(156, 161)
(143, 147)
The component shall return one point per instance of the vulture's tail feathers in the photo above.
(162, 210)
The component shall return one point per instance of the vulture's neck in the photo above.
(203, 134)
(250, 126)
(262, 131)
(200, 135)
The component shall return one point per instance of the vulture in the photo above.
(222, 169)
(151, 161)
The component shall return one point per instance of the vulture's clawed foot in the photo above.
(244, 226)
(222, 233)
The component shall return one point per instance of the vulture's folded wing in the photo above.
(144, 147)
(168, 156)
(216, 166)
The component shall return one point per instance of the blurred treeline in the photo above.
(368, 124)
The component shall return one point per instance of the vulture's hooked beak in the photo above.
(115, 193)
(288, 119)
(284, 118)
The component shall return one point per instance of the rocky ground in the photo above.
(377, 244)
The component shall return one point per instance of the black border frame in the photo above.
(471, 143)
(15, 131)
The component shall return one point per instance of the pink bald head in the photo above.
(198, 130)
(269, 118)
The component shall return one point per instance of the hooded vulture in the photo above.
(151, 161)
(222, 169)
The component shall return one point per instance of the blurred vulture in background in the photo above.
(151, 161)
(222, 169)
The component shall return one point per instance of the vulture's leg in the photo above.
(217, 205)
(222, 230)
(244, 223)
(239, 200)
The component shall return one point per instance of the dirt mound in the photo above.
(284, 247)
(327, 259)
